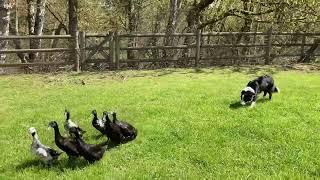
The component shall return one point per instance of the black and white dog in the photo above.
(263, 83)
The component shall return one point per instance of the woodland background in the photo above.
(37, 17)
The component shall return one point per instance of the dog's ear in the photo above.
(242, 93)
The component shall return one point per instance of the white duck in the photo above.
(45, 153)
(69, 124)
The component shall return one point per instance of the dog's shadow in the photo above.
(237, 105)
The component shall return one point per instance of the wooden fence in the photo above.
(85, 48)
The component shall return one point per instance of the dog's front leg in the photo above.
(270, 95)
(264, 94)
(254, 101)
(253, 104)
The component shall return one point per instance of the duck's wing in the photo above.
(41, 153)
(66, 126)
(71, 145)
(53, 152)
(81, 130)
(126, 128)
(125, 125)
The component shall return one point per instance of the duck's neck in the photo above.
(79, 140)
(35, 139)
(108, 122)
(67, 115)
(114, 116)
(108, 119)
(56, 132)
(95, 117)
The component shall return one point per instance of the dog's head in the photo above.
(247, 96)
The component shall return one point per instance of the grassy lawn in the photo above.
(189, 124)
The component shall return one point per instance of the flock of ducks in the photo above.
(118, 132)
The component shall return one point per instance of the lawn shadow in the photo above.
(109, 144)
(256, 70)
(112, 145)
(59, 165)
(95, 136)
(237, 105)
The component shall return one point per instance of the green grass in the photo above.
(188, 121)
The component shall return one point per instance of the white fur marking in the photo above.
(252, 104)
(249, 89)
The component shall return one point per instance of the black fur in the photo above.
(263, 84)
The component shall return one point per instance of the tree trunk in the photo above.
(247, 6)
(31, 20)
(153, 40)
(132, 9)
(73, 17)
(14, 30)
(36, 16)
(31, 16)
(57, 31)
(193, 19)
(4, 26)
(73, 29)
(172, 24)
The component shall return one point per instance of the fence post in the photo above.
(302, 46)
(76, 51)
(117, 49)
(198, 47)
(112, 49)
(269, 47)
(82, 45)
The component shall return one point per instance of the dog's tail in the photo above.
(275, 89)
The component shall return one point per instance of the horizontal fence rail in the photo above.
(68, 49)
(115, 48)
(34, 50)
(36, 37)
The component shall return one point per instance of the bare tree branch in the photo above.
(233, 12)
(57, 18)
